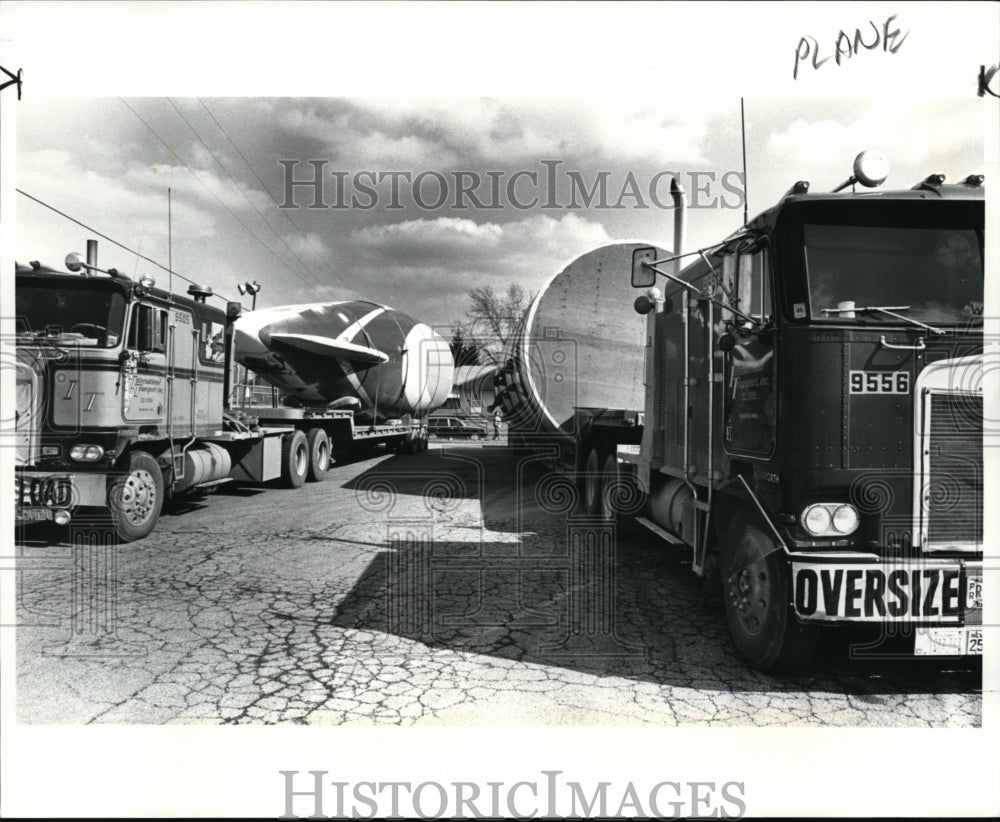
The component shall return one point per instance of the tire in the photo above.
(592, 483)
(318, 446)
(294, 460)
(756, 590)
(609, 481)
(415, 443)
(135, 497)
(615, 496)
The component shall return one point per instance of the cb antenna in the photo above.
(170, 239)
(743, 133)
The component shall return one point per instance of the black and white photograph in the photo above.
(537, 410)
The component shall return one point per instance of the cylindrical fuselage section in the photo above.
(324, 352)
(581, 345)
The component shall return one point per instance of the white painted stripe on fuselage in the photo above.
(348, 335)
(352, 378)
(355, 328)
(253, 321)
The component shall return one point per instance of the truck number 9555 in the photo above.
(880, 382)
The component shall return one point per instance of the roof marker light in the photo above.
(801, 187)
(931, 180)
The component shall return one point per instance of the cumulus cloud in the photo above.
(945, 127)
(428, 266)
(463, 244)
(307, 244)
(436, 133)
(136, 199)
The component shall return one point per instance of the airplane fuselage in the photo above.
(321, 353)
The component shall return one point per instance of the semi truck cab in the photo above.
(113, 377)
(814, 420)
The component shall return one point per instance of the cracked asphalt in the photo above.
(450, 587)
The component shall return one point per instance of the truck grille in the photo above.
(25, 424)
(954, 483)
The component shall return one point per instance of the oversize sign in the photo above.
(939, 594)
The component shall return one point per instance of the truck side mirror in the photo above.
(642, 275)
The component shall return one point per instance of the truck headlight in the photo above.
(86, 453)
(830, 519)
(845, 519)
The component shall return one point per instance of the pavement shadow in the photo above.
(574, 593)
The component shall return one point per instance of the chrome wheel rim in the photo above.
(138, 497)
(750, 592)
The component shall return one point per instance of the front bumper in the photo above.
(940, 599)
(41, 493)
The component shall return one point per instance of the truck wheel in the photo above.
(592, 483)
(414, 443)
(294, 460)
(318, 446)
(758, 603)
(616, 496)
(135, 497)
(609, 488)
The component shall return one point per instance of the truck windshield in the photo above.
(925, 274)
(70, 313)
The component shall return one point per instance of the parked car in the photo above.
(455, 428)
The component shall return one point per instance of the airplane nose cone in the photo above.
(429, 370)
(248, 340)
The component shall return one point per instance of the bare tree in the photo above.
(465, 351)
(491, 319)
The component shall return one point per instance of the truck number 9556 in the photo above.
(880, 382)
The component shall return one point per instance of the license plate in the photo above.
(974, 594)
(34, 514)
(966, 641)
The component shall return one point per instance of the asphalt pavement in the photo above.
(453, 586)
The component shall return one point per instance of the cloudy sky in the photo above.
(429, 198)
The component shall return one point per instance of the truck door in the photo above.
(182, 368)
(143, 364)
(749, 367)
(208, 362)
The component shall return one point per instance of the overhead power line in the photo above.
(265, 188)
(316, 280)
(112, 240)
(246, 228)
